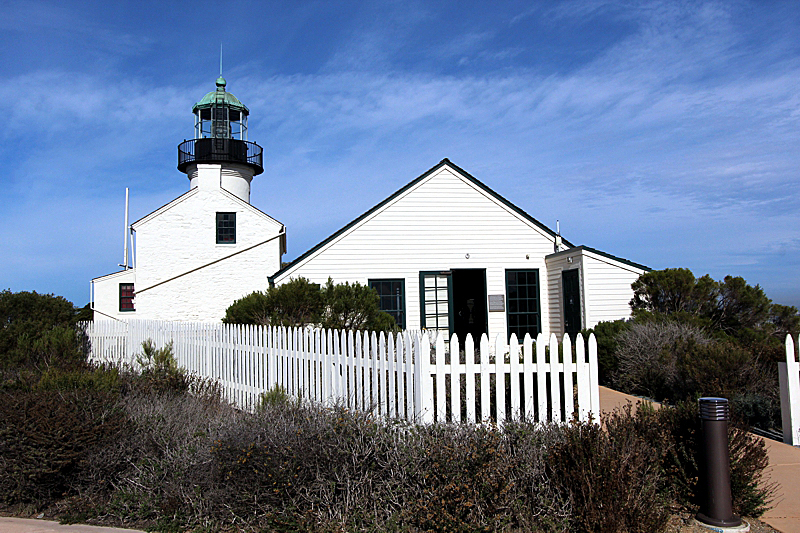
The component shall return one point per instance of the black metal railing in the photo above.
(216, 150)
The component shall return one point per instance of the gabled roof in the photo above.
(444, 162)
(171, 203)
(191, 192)
(129, 271)
(600, 253)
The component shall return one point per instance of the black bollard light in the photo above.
(715, 466)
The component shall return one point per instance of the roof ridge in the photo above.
(405, 188)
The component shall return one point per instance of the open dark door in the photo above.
(469, 303)
(572, 301)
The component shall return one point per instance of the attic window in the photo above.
(226, 228)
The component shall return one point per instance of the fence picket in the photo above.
(528, 369)
(789, 383)
(485, 380)
(499, 379)
(569, 402)
(541, 376)
(513, 359)
(469, 366)
(455, 380)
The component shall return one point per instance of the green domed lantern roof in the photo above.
(221, 96)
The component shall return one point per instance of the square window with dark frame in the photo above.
(392, 293)
(226, 228)
(522, 303)
(126, 297)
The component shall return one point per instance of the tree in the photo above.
(36, 331)
(744, 334)
(674, 290)
(727, 308)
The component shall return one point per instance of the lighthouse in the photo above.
(197, 254)
(220, 155)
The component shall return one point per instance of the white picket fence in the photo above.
(789, 377)
(408, 375)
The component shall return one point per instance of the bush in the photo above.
(616, 467)
(354, 306)
(38, 332)
(484, 478)
(251, 309)
(296, 303)
(607, 335)
(46, 436)
(159, 371)
(648, 364)
(299, 303)
(105, 447)
(671, 361)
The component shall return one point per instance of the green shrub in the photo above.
(274, 397)
(607, 334)
(159, 371)
(97, 378)
(251, 309)
(300, 303)
(354, 306)
(295, 303)
(751, 494)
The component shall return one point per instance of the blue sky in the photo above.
(666, 133)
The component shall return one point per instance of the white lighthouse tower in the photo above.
(220, 154)
(205, 249)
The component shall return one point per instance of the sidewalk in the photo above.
(29, 525)
(784, 469)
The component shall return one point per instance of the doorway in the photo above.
(572, 301)
(469, 303)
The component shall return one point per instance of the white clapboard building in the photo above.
(444, 253)
(447, 253)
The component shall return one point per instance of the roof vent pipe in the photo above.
(557, 247)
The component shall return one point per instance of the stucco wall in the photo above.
(175, 249)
